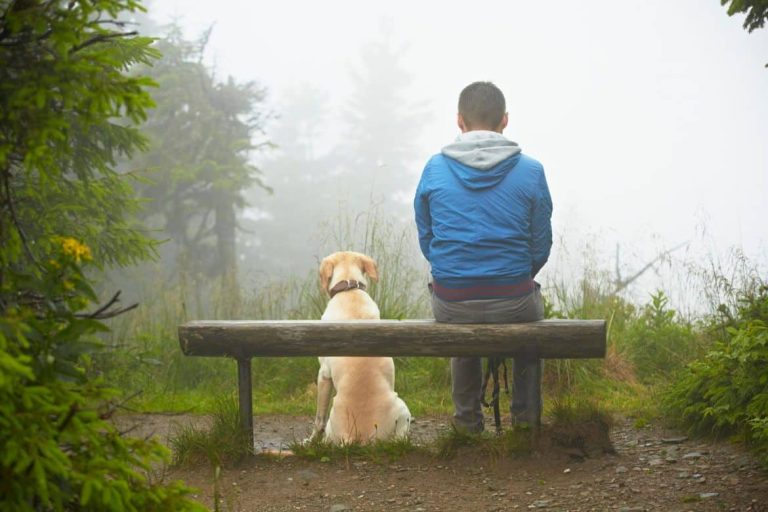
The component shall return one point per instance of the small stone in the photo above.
(656, 462)
(621, 469)
(692, 455)
(567, 470)
(674, 440)
(339, 507)
(306, 475)
(540, 504)
(707, 495)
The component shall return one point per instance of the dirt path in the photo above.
(651, 470)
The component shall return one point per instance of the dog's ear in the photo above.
(326, 271)
(369, 267)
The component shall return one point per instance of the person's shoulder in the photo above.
(436, 160)
(531, 163)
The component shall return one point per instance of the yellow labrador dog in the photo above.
(366, 406)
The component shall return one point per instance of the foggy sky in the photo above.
(650, 117)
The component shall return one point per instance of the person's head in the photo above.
(482, 107)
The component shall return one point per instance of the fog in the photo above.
(650, 117)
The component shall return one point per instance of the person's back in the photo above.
(483, 214)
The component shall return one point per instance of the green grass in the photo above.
(647, 343)
(223, 442)
(379, 451)
(513, 442)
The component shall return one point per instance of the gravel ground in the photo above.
(632, 469)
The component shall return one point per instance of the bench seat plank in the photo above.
(547, 339)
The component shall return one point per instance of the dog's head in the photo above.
(346, 265)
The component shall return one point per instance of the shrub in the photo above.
(726, 392)
(58, 449)
(659, 342)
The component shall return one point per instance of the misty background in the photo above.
(649, 118)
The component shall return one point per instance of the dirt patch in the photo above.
(636, 469)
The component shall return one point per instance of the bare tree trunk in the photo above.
(619, 283)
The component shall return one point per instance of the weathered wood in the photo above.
(245, 397)
(545, 339)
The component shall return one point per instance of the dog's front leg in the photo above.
(324, 391)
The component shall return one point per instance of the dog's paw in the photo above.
(313, 437)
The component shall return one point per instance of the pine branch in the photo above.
(103, 312)
(15, 219)
(101, 38)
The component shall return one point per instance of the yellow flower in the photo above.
(75, 249)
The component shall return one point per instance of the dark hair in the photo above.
(482, 105)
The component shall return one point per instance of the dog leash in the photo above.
(492, 370)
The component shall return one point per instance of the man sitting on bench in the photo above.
(483, 213)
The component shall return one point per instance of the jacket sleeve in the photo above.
(423, 216)
(541, 226)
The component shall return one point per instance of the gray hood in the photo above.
(481, 149)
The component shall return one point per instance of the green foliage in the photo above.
(146, 355)
(659, 342)
(58, 451)
(591, 298)
(756, 11)
(195, 182)
(223, 442)
(512, 442)
(63, 99)
(379, 451)
(726, 392)
(67, 112)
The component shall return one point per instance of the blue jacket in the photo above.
(483, 214)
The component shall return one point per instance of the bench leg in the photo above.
(245, 395)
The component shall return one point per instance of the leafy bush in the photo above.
(659, 342)
(67, 111)
(58, 450)
(726, 393)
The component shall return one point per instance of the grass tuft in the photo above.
(223, 442)
(378, 451)
(513, 442)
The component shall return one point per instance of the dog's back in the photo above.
(366, 406)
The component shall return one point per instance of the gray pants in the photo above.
(467, 372)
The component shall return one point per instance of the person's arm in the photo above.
(541, 226)
(423, 217)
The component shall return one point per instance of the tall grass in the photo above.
(145, 356)
(647, 342)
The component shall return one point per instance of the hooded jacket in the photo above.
(483, 213)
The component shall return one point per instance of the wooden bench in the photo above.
(243, 340)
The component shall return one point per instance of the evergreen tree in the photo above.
(383, 125)
(201, 137)
(301, 172)
(68, 111)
